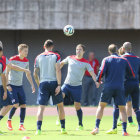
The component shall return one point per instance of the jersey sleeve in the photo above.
(66, 60)
(7, 61)
(89, 68)
(102, 70)
(1, 71)
(58, 59)
(36, 64)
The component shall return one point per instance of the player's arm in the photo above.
(36, 77)
(4, 84)
(29, 77)
(65, 61)
(58, 77)
(102, 70)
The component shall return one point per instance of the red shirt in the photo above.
(94, 64)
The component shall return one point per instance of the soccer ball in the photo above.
(68, 30)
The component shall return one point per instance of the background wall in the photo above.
(94, 40)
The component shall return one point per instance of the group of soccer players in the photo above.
(121, 79)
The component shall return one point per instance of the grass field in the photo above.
(52, 132)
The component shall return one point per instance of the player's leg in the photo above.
(58, 120)
(76, 93)
(105, 99)
(40, 112)
(115, 119)
(120, 100)
(135, 104)
(58, 99)
(15, 101)
(79, 115)
(99, 115)
(42, 100)
(129, 113)
(22, 103)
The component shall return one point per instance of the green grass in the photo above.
(52, 132)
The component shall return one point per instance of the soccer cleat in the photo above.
(80, 127)
(112, 131)
(1, 133)
(38, 132)
(138, 133)
(57, 122)
(63, 131)
(21, 128)
(9, 125)
(119, 123)
(125, 134)
(132, 124)
(95, 131)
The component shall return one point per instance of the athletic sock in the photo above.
(1, 117)
(62, 123)
(80, 116)
(124, 126)
(115, 116)
(39, 124)
(12, 112)
(22, 115)
(130, 120)
(97, 123)
(138, 118)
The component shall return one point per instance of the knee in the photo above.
(23, 106)
(16, 105)
(122, 109)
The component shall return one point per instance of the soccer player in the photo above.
(114, 69)
(48, 64)
(5, 99)
(77, 66)
(15, 85)
(131, 87)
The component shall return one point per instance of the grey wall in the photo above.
(82, 14)
(96, 41)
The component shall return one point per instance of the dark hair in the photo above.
(81, 45)
(48, 43)
(112, 48)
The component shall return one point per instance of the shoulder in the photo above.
(16, 58)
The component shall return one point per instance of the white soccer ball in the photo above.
(68, 30)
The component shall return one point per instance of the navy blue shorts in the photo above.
(47, 89)
(4, 102)
(132, 90)
(18, 95)
(74, 91)
(117, 94)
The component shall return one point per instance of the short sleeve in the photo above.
(7, 61)
(88, 67)
(58, 58)
(36, 64)
(1, 69)
(66, 60)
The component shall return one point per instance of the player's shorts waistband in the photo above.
(15, 85)
(79, 86)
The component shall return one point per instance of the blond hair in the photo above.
(22, 46)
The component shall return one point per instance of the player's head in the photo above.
(80, 50)
(1, 49)
(127, 47)
(91, 56)
(23, 50)
(121, 51)
(112, 49)
(48, 44)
